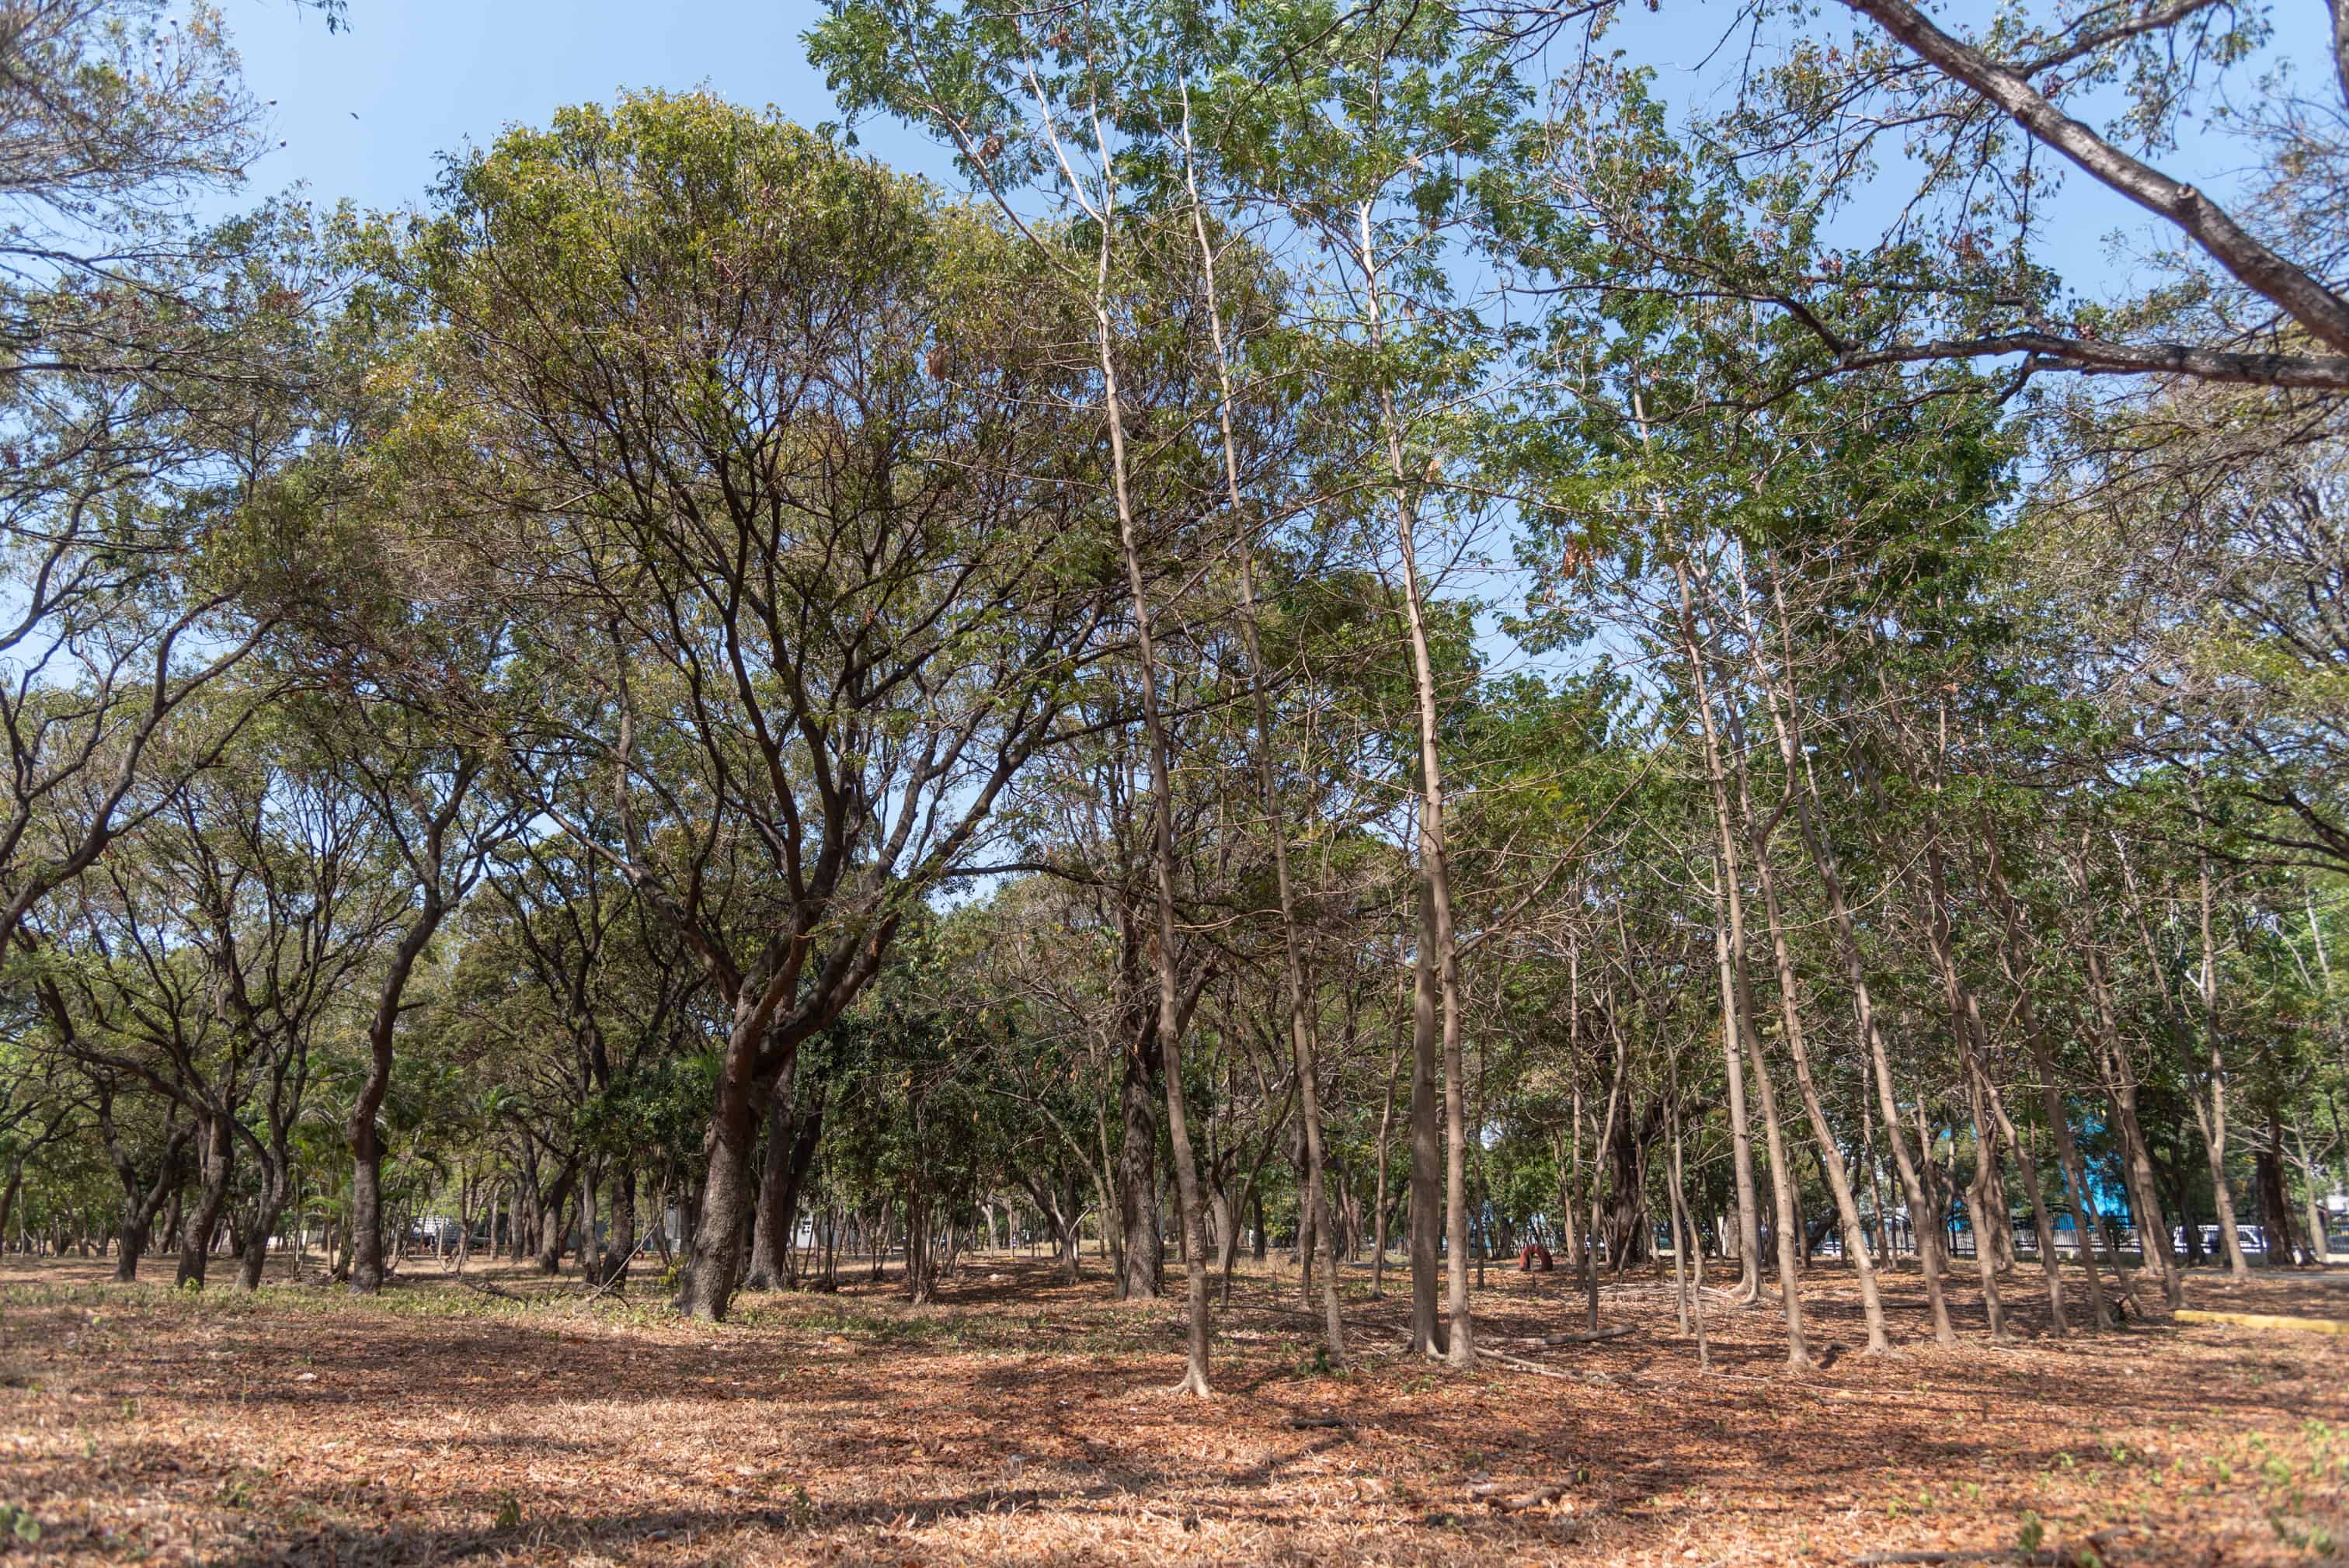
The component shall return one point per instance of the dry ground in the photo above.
(1024, 1421)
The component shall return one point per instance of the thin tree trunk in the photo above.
(1823, 861)
(1830, 1158)
(1782, 1175)
(1439, 973)
(1301, 1032)
(1171, 1010)
(2050, 1095)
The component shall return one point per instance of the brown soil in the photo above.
(1023, 1421)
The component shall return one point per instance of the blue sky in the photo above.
(426, 76)
(366, 113)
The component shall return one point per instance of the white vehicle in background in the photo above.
(2252, 1240)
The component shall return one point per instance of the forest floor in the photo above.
(1026, 1420)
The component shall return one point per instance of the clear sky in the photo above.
(427, 77)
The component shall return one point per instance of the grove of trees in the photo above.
(1380, 639)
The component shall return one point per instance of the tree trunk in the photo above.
(794, 1128)
(276, 1187)
(1985, 1194)
(2276, 1209)
(2120, 1090)
(139, 1209)
(1741, 1126)
(1170, 1011)
(219, 1151)
(1142, 1263)
(715, 1270)
(1803, 788)
(1379, 1204)
(1830, 1158)
(620, 1228)
(1782, 1174)
(1425, 1215)
(1438, 974)
(1317, 1203)
(554, 1221)
(2050, 1095)
(2210, 1106)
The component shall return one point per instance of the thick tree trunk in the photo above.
(1142, 1263)
(722, 1227)
(620, 1227)
(143, 1198)
(276, 1187)
(794, 1129)
(139, 1209)
(555, 1221)
(366, 1139)
(2276, 1209)
(218, 1153)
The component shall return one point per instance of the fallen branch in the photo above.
(489, 1287)
(1299, 1423)
(1589, 1336)
(1522, 1364)
(2265, 1320)
(1493, 1497)
(2043, 1559)
(612, 1277)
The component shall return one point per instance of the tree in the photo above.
(785, 598)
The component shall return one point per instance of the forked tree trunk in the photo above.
(1929, 1239)
(2120, 1090)
(1171, 1010)
(1985, 1193)
(219, 1151)
(2050, 1095)
(276, 1187)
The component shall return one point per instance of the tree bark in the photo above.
(1142, 1263)
(1782, 1174)
(2306, 300)
(1426, 1214)
(1830, 1158)
(364, 1136)
(217, 1129)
